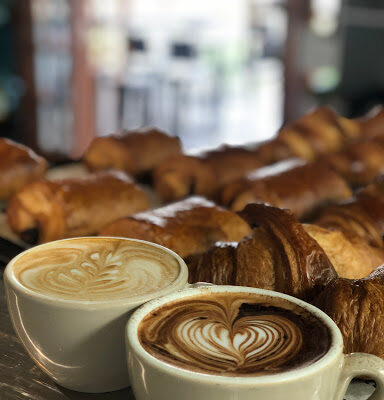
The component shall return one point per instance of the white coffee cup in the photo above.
(78, 343)
(325, 379)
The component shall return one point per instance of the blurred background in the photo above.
(211, 72)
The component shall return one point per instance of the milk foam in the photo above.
(96, 269)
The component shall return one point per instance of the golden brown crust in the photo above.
(303, 189)
(351, 256)
(279, 255)
(180, 176)
(361, 216)
(186, 227)
(319, 132)
(357, 307)
(74, 207)
(359, 163)
(135, 152)
(18, 166)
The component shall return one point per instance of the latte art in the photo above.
(233, 334)
(96, 269)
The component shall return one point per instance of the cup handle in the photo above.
(362, 364)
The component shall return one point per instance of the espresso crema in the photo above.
(96, 269)
(234, 334)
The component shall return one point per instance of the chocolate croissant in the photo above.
(18, 166)
(182, 175)
(359, 163)
(279, 255)
(300, 187)
(48, 210)
(357, 307)
(186, 227)
(135, 152)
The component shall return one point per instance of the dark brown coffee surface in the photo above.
(234, 334)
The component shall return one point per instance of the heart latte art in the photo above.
(96, 269)
(234, 334)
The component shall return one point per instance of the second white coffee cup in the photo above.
(79, 342)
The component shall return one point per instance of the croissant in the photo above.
(361, 216)
(135, 152)
(282, 254)
(186, 227)
(48, 210)
(357, 307)
(351, 256)
(18, 166)
(299, 187)
(182, 175)
(279, 255)
(359, 163)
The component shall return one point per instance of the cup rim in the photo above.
(134, 345)
(179, 282)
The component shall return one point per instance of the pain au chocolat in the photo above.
(45, 210)
(136, 152)
(293, 184)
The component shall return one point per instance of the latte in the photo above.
(96, 269)
(234, 334)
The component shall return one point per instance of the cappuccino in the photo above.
(96, 269)
(234, 334)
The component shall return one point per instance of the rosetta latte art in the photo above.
(230, 336)
(87, 269)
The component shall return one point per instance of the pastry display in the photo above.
(48, 210)
(186, 227)
(319, 132)
(18, 166)
(135, 152)
(298, 186)
(301, 214)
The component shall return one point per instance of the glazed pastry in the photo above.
(18, 166)
(48, 210)
(135, 152)
(294, 185)
(359, 163)
(357, 307)
(279, 255)
(182, 175)
(186, 227)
